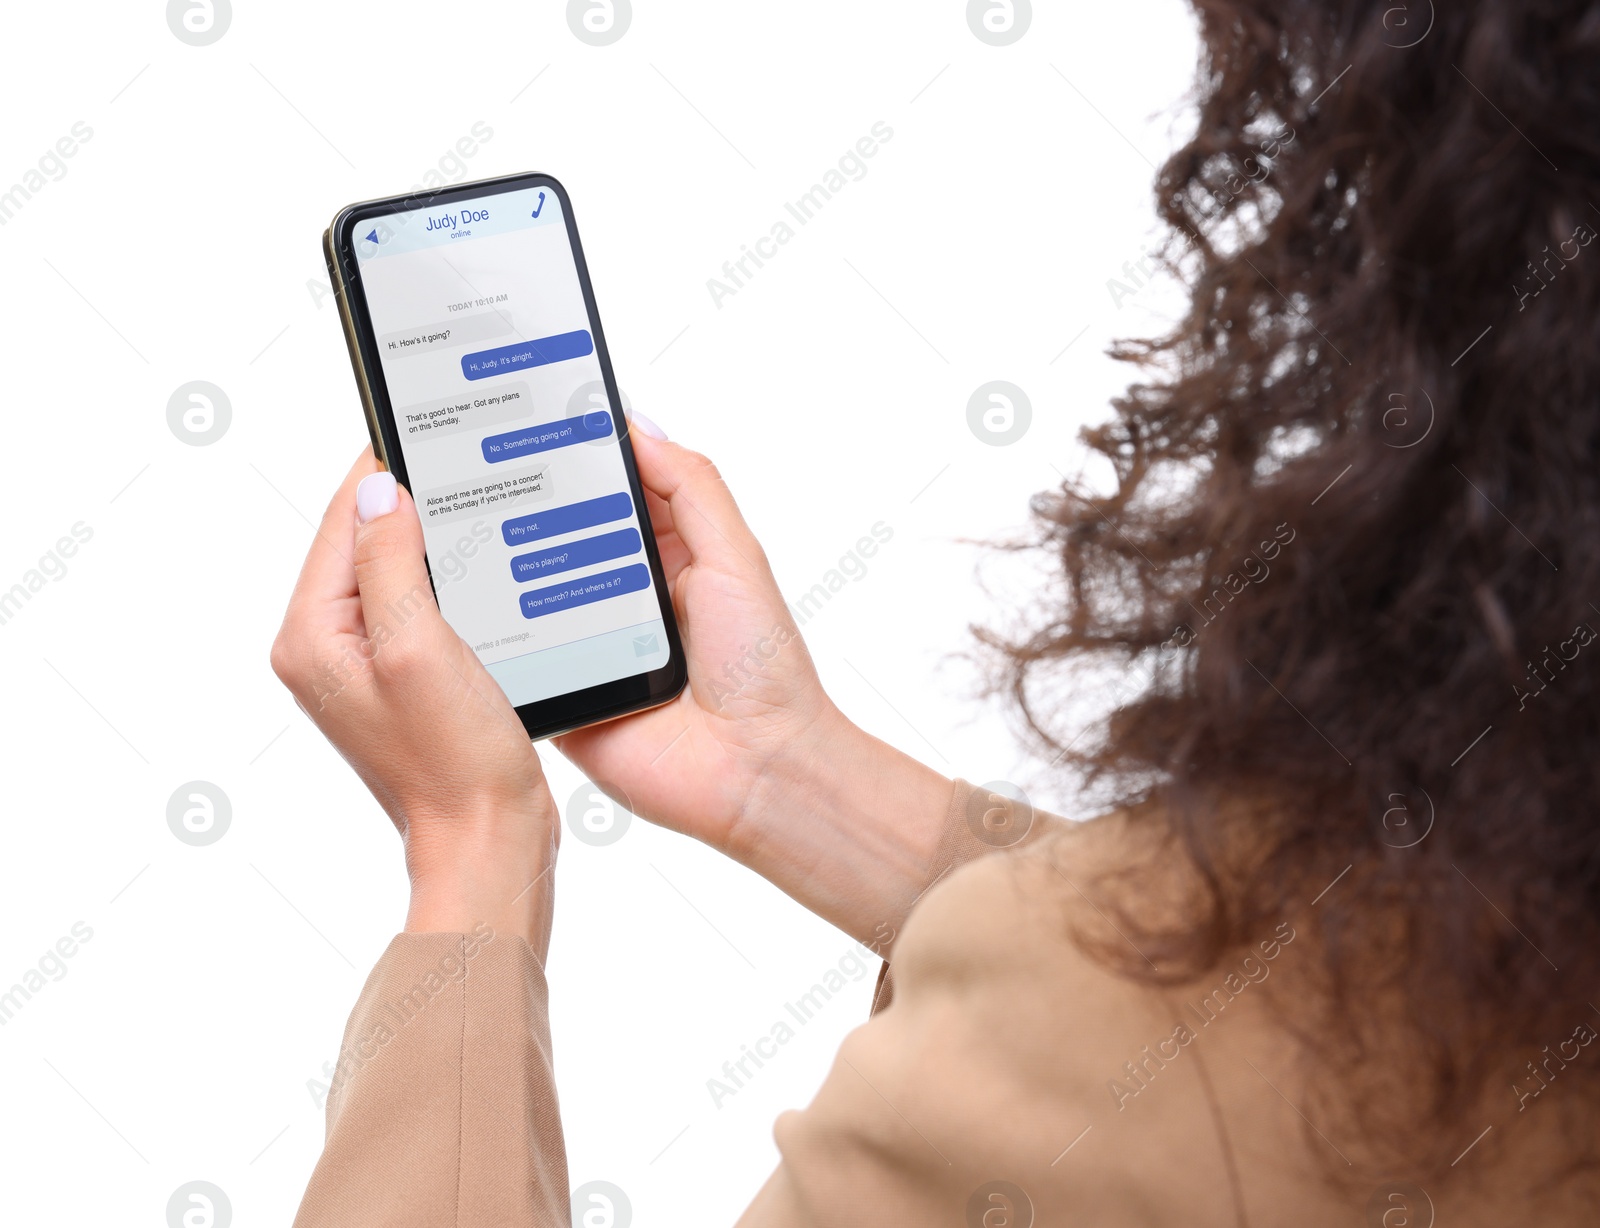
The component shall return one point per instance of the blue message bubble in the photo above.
(568, 518)
(556, 559)
(596, 424)
(483, 364)
(589, 589)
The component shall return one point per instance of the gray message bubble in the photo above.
(463, 330)
(493, 494)
(472, 410)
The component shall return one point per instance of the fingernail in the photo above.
(639, 422)
(376, 496)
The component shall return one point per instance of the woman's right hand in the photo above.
(753, 758)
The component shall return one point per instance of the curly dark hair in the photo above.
(1355, 537)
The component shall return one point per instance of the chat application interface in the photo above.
(510, 442)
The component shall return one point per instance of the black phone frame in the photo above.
(559, 714)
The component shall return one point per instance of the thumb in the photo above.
(391, 567)
(702, 508)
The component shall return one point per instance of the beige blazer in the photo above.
(1004, 1080)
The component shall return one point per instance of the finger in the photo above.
(704, 514)
(660, 511)
(390, 565)
(328, 576)
(601, 754)
(674, 554)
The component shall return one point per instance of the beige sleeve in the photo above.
(978, 821)
(968, 1081)
(442, 1110)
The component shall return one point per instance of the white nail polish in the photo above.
(639, 422)
(376, 496)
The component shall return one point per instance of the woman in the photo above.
(1331, 951)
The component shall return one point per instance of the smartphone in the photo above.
(489, 394)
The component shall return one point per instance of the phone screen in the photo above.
(487, 345)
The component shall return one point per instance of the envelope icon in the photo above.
(644, 645)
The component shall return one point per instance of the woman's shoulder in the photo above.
(1030, 944)
(1027, 978)
(1037, 902)
(1024, 1033)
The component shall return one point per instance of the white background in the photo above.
(183, 244)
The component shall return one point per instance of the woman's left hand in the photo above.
(369, 658)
